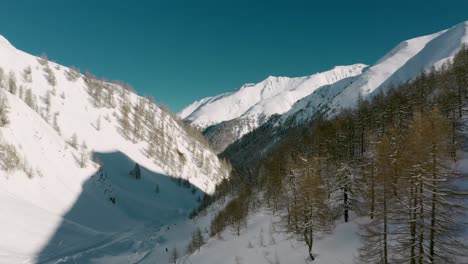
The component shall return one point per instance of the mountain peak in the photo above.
(253, 104)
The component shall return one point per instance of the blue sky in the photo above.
(181, 51)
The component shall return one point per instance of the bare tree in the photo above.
(84, 155)
(27, 74)
(43, 60)
(12, 83)
(73, 141)
(4, 109)
(50, 76)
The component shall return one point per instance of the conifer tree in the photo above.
(21, 92)
(314, 215)
(48, 103)
(2, 78)
(110, 100)
(84, 155)
(9, 158)
(95, 88)
(437, 208)
(137, 124)
(196, 242)
(55, 123)
(50, 76)
(152, 141)
(73, 73)
(74, 141)
(27, 74)
(4, 109)
(125, 109)
(12, 83)
(29, 99)
(43, 60)
(98, 123)
(376, 234)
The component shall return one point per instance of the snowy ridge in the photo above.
(253, 104)
(198, 104)
(403, 63)
(77, 114)
(64, 209)
(436, 52)
(274, 95)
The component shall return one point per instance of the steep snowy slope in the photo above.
(51, 206)
(252, 105)
(401, 64)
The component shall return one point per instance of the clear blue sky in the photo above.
(181, 51)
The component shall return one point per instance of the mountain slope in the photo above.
(403, 63)
(234, 114)
(57, 199)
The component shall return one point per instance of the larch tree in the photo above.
(125, 110)
(98, 123)
(55, 123)
(73, 141)
(29, 99)
(314, 214)
(12, 83)
(438, 209)
(110, 100)
(43, 60)
(273, 190)
(73, 73)
(151, 149)
(2, 78)
(50, 76)
(84, 155)
(48, 103)
(138, 113)
(376, 234)
(27, 74)
(4, 109)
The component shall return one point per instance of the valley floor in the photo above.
(262, 242)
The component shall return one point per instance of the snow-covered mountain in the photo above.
(403, 63)
(234, 114)
(297, 100)
(56, 201)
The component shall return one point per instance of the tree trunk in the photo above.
(385, 234)
(421, 222)
(308, 237)
(372, 206)
(433, 206)
(413, 223)
(346, 204)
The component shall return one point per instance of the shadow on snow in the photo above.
(116, 214)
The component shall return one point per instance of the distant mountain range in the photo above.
(227, 117)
